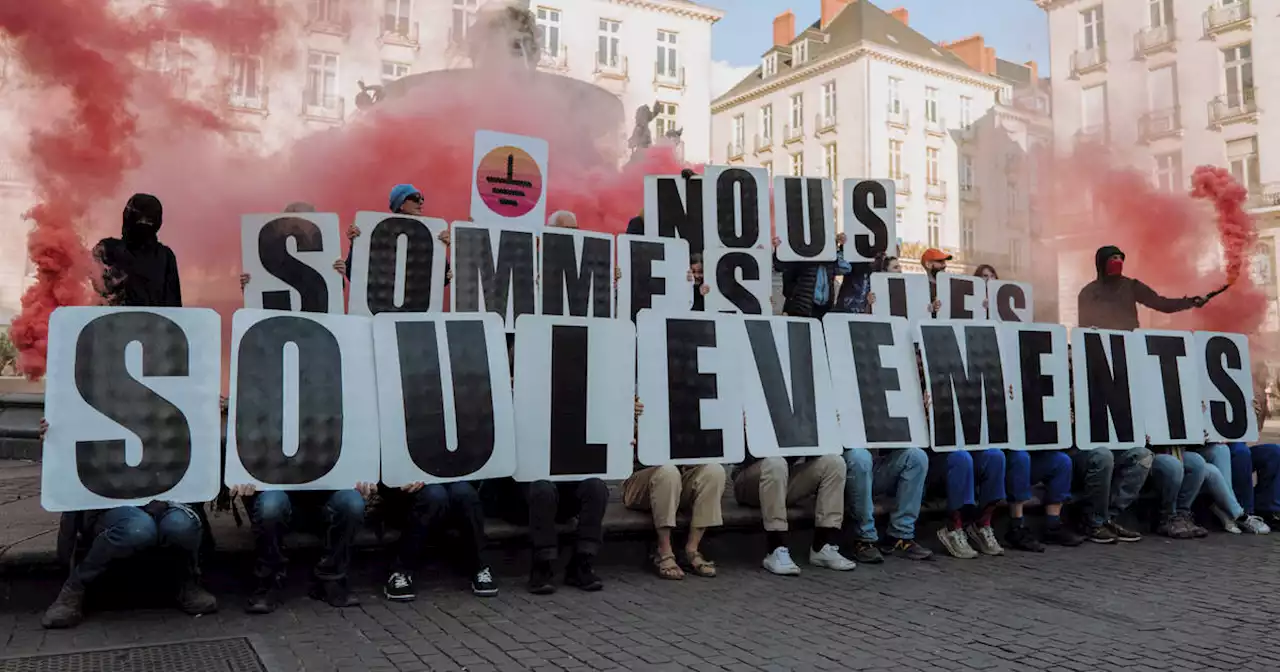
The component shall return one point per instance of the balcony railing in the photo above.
(967, 133)
(339, 25)
(935, 126)
(1233, 107)
(902, 182)
(401, 33)
(898, 116)
(735, 151)
(792, 133)
(764, 143)
(1092, 134)
(824, 122)
(615, 67)
(11, 173)
(936, 190)
(250, 101)
(670, 80)
(1088, 60)
(1268, 194)
(1226, 17)
(323, 107)
(1159, 124)
(969, 193)
(554, 60)
(1153, 39)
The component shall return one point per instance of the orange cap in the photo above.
(934, 254)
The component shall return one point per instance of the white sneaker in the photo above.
(830, 558)
(779, 562)
(1228, 523)
(956, 543)
(1255, 525)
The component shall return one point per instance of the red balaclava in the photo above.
(1115, 266)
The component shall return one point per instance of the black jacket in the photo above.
(1111, 302)
(798, 281)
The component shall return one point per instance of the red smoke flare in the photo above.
(1236, 228)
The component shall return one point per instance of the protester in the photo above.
(808, 287)
(986, 272)
(433, 509)
(1229, 511)
(667, 489)
(699, 289)
(774, 483)
(137, 269)
(1111, 481)
(855, 288)
(1111, 301)
(405, 199)
(562, 219)
(1262, 460)
(964, 474)
(1179, 476)
(934, 261)
(1024, 469)
(899, 473)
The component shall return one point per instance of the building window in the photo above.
(1162, 89)
(464, 15)
(246, 80)
(322, 80)
(966, 173)
(935, 229)
(1238, 66)
(931, 105)
(829, 165)
(665, 121)
(1092, 30)
(1161, 13)
(829, 101)
(1015, 198)
(1243, 157)
(395, 20)
(966, 112)
(607, 47)
(548, 31)
(739, 133)
(1093, 109)
(931, 165)
(768, 165)
(801, 52)
(770, 66)
(797, 112)
(967, 235)
(895, 159)
(766, 123)
(168, 55)
(1015, 255)
(797, 164)
(667, 54)
(391, 71)
(895, 96)
(1168, 171)
(323, 11)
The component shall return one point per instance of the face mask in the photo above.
(1115, 267)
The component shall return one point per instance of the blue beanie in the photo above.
(400, 194)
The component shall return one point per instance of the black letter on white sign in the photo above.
(961, 289)
(570, 452)
(1108, 389)
(686, 388)
(870, 245)
(1167, 350)
(675, 220)
(277, 261)
(1008, 298)
(978, 383)
(644, 286)
(727, 281)
(500, 282)
(797, 190)
(418, 259)
(795, 416)
(726, 218)
(1036, 385)
(586, 281)
(1228, 416)
(875, 380)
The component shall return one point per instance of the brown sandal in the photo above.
(701, 566)
(667, 568)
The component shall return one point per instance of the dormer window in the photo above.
(801, 52)
(770, 67)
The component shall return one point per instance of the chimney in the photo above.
(902, 15)
(784, 29)
(830, 8)
(1035, 71)
(974, 51)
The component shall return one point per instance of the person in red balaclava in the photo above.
(1111, 301)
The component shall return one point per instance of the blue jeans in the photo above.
(1179, 481)
(1218, 477)
(342, 512)
(1026, 468)
(124, 531)
(897, 472)
(961, 469)
(1264, 459)
(434, 508)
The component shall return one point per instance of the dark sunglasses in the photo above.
(416, 198)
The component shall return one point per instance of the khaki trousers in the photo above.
(773, 486)
(665, 490)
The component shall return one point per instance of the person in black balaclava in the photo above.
(137, 269)
(1111, 301)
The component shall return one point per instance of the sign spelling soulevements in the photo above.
(131, 399)
(655, 275)
(673, 208)
(739, 281)
(961, 297)
(495, 270)
(969, 390)
(304, 401)
(397, 264)
(873, 370)
(1010, 301)
(1165, 367)
(444, 398)
(689, 380)
(1226, 383)
(804, 219)
(1104, 387)
(1036, 363)
(509, 181)
(735, 208)
(574, 397)
(289, 260)
(870, 219)
(786, 387)
(577, 273)
(903, 295)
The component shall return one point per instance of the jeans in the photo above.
(433, 508)
(1026, 468)
(960, 469)
(124, 531)
(342, 512)
(899, 473)
(1264, 459)
(1218, 476)
(542, 504)
(1179, 481)
(1111, 480)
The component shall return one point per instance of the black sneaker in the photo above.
(482, 584)
(265, 597)
(1101, 534)
(333, 592)
(399, 587)
(1271, 518)
(540, 578)
(580, 574)
(866, 552)
(1123, 533)
(194, 600)
(1021, 538)
(905, 548)
(1061, 535)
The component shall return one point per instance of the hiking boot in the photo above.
(1174, 527)
(540, 578)
(956, 544)
(1061, 535)
(67, 609)
(399, 587)
(334, 592)
(193, 599)
(867, 553)
(1197, 531)
(1123, 533)
(1100, 534)
(983, 538)
(482, 584)
(1019, 537)
(1254, 525)
(580, 574)
(906, 548)
(1228, 522)
(265, 597)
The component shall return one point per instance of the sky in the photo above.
(1016, 28)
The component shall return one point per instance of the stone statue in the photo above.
(641, 138)
(368, 96)
(504, 32)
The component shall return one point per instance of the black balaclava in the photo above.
(143, 216)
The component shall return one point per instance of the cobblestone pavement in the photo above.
(1155, 605)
